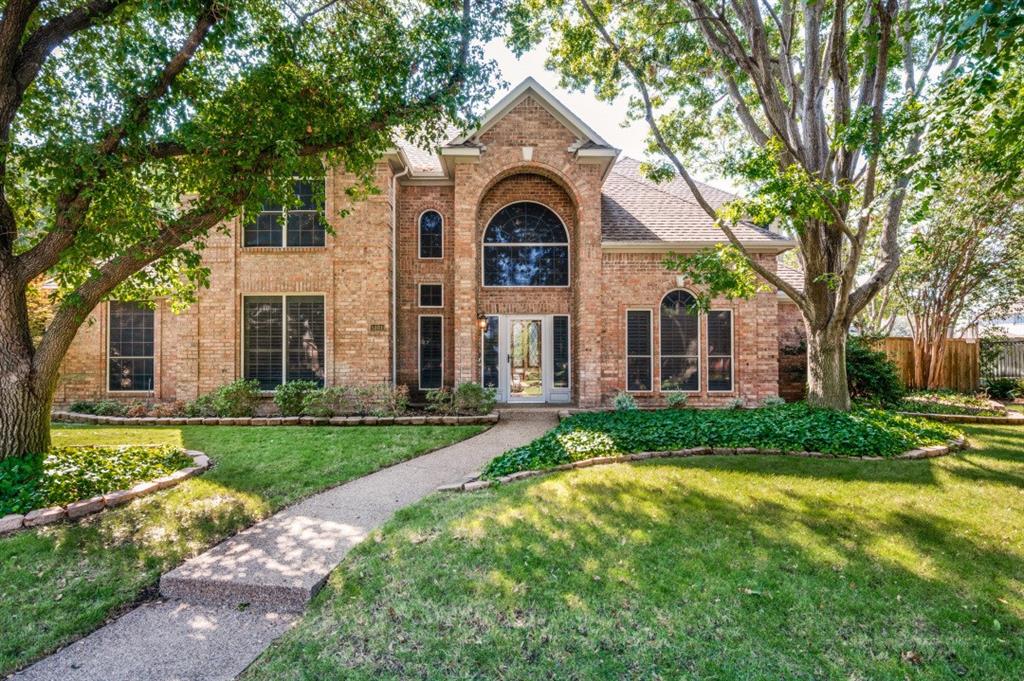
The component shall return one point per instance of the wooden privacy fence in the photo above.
(961, 368)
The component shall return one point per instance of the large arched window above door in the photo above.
(680, 343)
(526, 244)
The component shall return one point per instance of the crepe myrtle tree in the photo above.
(131, 128)
(812, 106)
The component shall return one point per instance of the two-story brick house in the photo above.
(526, 255)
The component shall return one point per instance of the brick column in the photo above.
(587, 281)
(466, 272)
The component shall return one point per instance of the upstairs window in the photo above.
(276, 226)
(130, 347)
(526, 244)
(680, 348)
(431, 235)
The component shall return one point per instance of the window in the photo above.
(680, 361)
(431, 234)
(639, 365)
(283, 339)
(526, 244)
(130, 347)
(431, 353)
(560, 351)
(720, 350)
(277, 225)
(490, 353)
(431, 295)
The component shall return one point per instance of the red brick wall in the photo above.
(792, 359)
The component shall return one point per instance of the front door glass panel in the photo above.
(526, 374)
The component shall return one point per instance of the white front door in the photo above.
(526, 357)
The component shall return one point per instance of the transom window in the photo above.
(431, 235)
(130, 347)
(680, 344)
(526, 244)
(276, 226)
(283, 339)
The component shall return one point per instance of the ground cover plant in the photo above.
(791, 427)
(947, 402)
(67, 474)
(735, 567)
(62, 581)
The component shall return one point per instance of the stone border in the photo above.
(79, 509)
(420, 420)
(1011, 419)
(929, 452)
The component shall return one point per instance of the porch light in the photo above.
(481, 321)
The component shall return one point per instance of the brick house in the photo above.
(525, 255)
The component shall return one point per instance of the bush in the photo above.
(441, 401)
(472, 399)
(871, 375)
(678, 400)
(168, 409)
(336, 401)
(791, 427)
(1004, 388)
(380, 399)
(290, 397)
(236, 399)
(735, 403)
(625, 402)
(99, 407)
(67, 474)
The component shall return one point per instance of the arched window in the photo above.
(680, 345)
(431, 234)
(526, 244)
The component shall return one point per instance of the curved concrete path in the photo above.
(227, 605)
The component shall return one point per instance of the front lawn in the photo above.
(788, 427)
(733, 567)
(60, 582)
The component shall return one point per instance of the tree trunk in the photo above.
(25, 396)
(826, 369)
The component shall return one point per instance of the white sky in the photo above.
(606, 118)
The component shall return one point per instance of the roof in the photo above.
(635, 209)
(791, 276)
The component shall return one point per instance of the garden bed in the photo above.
(407, 420)
(74, 482)
(783, 429)
(950, 403)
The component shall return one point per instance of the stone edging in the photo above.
(84, 507)
(928, 452)
(74, 417)
(1009, 420)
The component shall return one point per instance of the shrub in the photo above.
(99, 407)
(1004, 388)
(136, 409)
(678, 400)
(772, 401)
(168, 409)
(335, 401)
(67, 474)
(625, 402)
(380, 399)
(236, 399)
(472, 399)
(791, 427)
(440, 401)
(871, 375)
(735, 403)
(289, 397)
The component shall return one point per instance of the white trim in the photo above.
(284, 332)
(419, 351)
(419, 235)
(459, 151)
(284, 221)
(732, 350)
(545, 357)
(661, 356)
(567, 245)
(106, 353)
(650, 348)
(528, 86)
(419, 295)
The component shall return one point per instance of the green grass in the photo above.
(947, 402)
(60, 582)
(719, 568)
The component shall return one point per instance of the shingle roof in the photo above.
(791, 276)
(634, 208)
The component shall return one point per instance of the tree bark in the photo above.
(24, 396)
(826, 368)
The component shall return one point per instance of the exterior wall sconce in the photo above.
(481, 321)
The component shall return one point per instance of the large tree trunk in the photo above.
(826, 368)
(25, 396)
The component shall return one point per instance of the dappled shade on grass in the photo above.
(62, 581)
(789, 427)
(722, 567)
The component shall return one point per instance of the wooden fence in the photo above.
(961, 368)
(1007, 358)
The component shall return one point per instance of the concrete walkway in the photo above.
(225, 606)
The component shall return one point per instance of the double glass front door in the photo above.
(526, 357)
